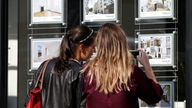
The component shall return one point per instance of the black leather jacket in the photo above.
(61, 90)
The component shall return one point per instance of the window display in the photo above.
(47, 11)
(156, 9)
(43, 49)
(99, 10)
(159, 47)
(167, 100)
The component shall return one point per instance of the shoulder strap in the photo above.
(41, 75)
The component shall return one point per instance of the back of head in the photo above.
(113, 62)
(78, 35)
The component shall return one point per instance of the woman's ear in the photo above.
(81, 47)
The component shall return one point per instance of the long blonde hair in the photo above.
(112, 65)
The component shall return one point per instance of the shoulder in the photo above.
(73, 71)
(53, 61)
(50, 61)
(75, 66)
(137, 71)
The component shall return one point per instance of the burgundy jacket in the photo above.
(142, 87)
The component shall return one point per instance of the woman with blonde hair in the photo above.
(111, 79)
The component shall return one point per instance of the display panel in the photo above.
(43, 49)
(156, 11)
(100, 11)
(47, 12)
(167, 100)
(159, 48)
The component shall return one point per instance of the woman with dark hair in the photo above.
(111, 80)
(61, 80)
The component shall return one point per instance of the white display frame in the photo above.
(167, 100)
(146, 13)
(45, 12)
(93, 17)
(47, 48)
(168, 10)
(156, 60)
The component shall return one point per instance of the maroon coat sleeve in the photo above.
(146, 89)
